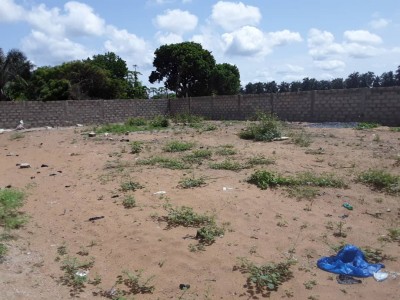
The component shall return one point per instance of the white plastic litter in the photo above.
(380, 276)
(82, 273)
(79, 125)
(227, 188)
(160, 193)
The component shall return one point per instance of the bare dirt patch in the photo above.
(73, 178)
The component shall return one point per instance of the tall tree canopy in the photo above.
(112, 63)
(15, 69)
(185, 68)
(225, 79)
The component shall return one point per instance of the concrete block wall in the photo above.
(380, 105)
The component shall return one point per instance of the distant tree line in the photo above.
(354, 80)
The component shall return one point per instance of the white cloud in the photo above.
(330, 65)
(9, 11)
(168, 38)
(248, 40)
(62, 49)
(231, 16)
(362, 51)
(283, 37)
(317, 37)
(362, 37)
(379, 23)
(289, 69)
(128, 45)
(176, 21)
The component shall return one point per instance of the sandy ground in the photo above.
(83, 180)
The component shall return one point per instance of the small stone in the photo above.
(388, 210)
(44, 166)
(92, 134)
(24, 166)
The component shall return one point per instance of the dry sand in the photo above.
(84, 176)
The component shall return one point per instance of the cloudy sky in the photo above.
(281, 40)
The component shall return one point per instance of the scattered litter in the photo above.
(82, 273)
(349, 261)
(380, 276)
(124, 140)
(388, 210)
(348, 206)
(1, 131)
(282, 138)
(184, 286)
(227, 188)
(44, 166)
(92, 134)
(79, 125)
(49, 127)
(95, 218)
(106, 133)
(24, 166)
(344, 216)
(11, 154)
(160, 193)
(346, 279)
(20, 125)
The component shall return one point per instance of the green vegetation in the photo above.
(395, 129)
(310, 284)
(136, 147)
(208, 234)
(302, 192)
(197, 156)
(187, 183)
(266, 277)
(381, 180)
(227, 164)
(185, 216)
(164, 162)
(134, 124)
(10, 201)
(267, 128)
(392, 236)
(3, 251)
(366, 125)
(177, 146)
(259, 160)
(16, 136)
(129, 201)
(374, 255)
(133, 283)
(187, 119)
(265, 179)
(130, 186)
(301, 138)
(226, 150)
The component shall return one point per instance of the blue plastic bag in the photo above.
(349, 261)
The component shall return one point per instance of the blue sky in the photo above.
(281, 40)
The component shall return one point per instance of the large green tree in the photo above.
(185, 68)
(112, 63)
(225, 79)
(15, 70)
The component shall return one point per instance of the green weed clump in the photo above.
(136, 147)
(265, 179)
(185, 216)
(129, 202)
(366, 125)
(71, 278)
(227, 164)
(165, 162)
(208, 234)
(187, 119)
(177, 146)
(226, 150)
(265, 278)
(301, 138)
(266, 129)
(381, 180)
(134, 124)
(10, 201)
(375, 255)
(133, 283)
(260, 160)
(130, 186)
(187, 183)
(197, 156)
(159, 122)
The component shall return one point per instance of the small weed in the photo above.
(209, 127)
(176, 146)
(96, 280)
(159, 122)
(310, 284)
(315, 151)
(381, 180)
(266, 277)
(187, 119)
(10, 201)
(395, 129)
(302, 192)
(136, 147)
(301, 138)
(366, 125)
(224, 150)
(133, 284)
(197, 156)
(136, 122)
(83, 252)
(227, 165)
(130, 186)
(62, 250)
(207, 234)
(164, 162)
(322, 180)
(340, 230)
(260, 160)
(267, 128)
(3, 251)
(129, 201)
(185, 216)
(265, 179)
(392, 236)
(16, 136)
(374, 255)
(187, 183)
